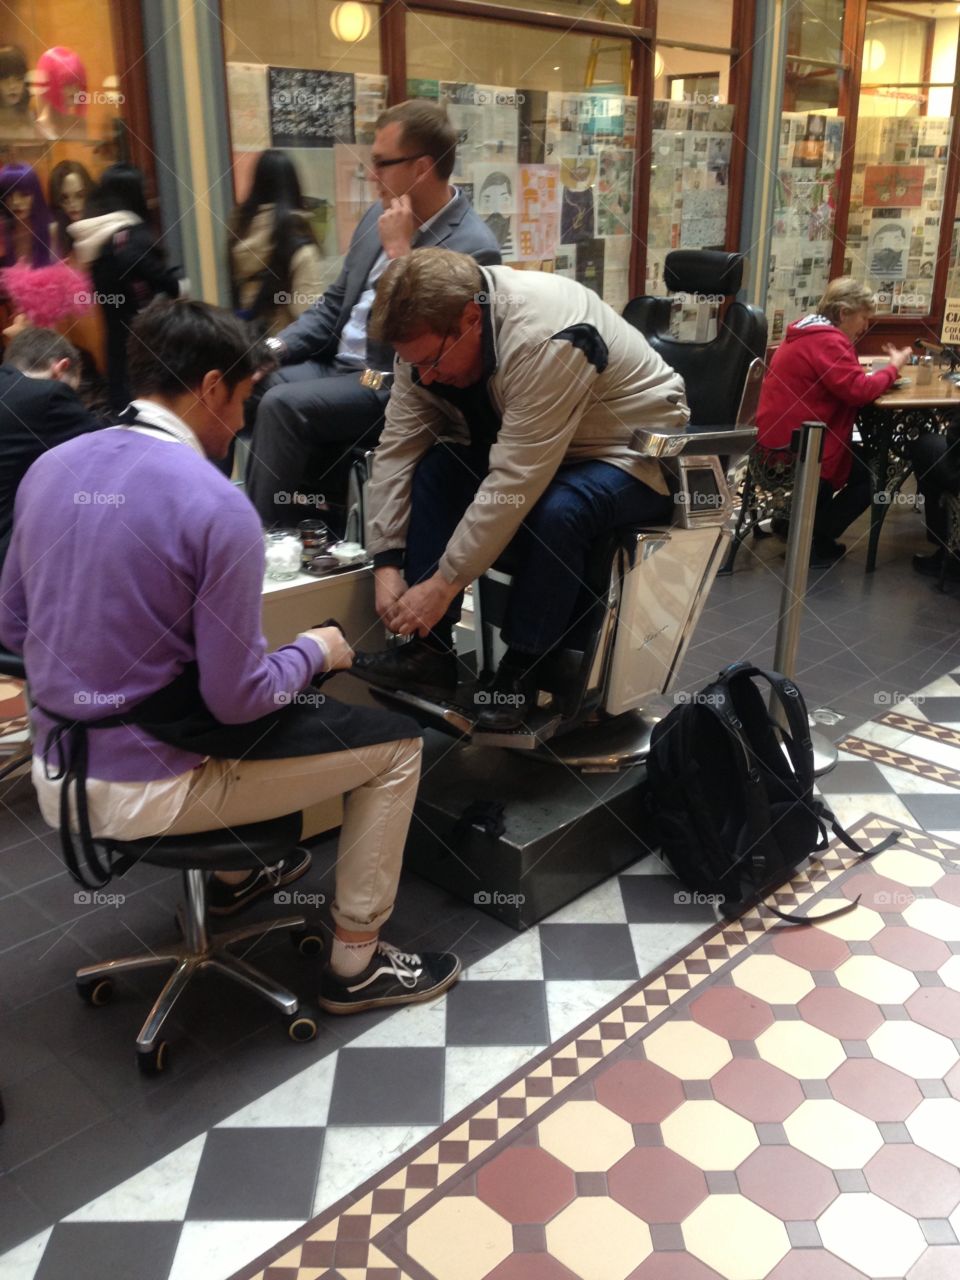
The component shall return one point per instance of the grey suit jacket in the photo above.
(316, 334)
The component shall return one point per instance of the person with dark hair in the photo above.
(315, 407)
(115, 242)
(26, 218)
(39, 409)
(133, 590)
(275, 262)
(69, 187)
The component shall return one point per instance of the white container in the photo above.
(283, 553)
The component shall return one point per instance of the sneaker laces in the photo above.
(406, 965)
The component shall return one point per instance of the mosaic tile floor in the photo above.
(781, 1102)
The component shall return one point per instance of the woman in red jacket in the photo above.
(815, 376)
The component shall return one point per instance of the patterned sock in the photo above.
(347, 959)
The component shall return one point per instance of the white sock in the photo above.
(347, 959)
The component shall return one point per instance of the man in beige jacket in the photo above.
(515, 400)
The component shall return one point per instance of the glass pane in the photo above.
(804, 215)
(601, 10)
(900, 166)
(689, 170)
(815, 29)
(547, 138)
(712, 20)
(304, 76)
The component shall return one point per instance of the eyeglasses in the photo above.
(388, 164)
(431, 366)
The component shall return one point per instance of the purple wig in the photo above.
(20, 177)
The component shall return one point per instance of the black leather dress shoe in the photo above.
(415, 667)
(932, 565)
(504, 706)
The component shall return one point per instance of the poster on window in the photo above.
(538, 212)
(486, 118)
(311, 108)
(354, 191)
(578, 177)
(249, 108)
(897, 186)
(495, 200)
(371, 100)
(887, 254)
(614, 192)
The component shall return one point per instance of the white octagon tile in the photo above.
(950, 973)
(586, 1136)
(735, 1237)
(709, 1135)
(801, 1050)
(915, 1050)
(773, 979)
(687, 1049)
(935, 1126)
(871, 1234)
(829, 1132)
(597, 1239)
(907, 868)
(877, 979)
(857, 926)
(932, 915)
(437, 1238)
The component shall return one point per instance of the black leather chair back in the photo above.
(714, 372)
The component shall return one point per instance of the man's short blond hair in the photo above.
(845, 295)
(425, 290)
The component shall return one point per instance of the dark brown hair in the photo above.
(426, 128)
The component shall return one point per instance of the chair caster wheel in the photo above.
(153, 1061)
(306, 942)
(301, 1028)
(95, 991)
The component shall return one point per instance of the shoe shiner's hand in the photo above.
(422, 607)
(390, 586)
(334, 642)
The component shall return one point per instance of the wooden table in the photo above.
(887, 427)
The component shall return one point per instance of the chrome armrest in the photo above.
(666, 442)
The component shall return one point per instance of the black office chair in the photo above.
(718, 373)
(226, 849)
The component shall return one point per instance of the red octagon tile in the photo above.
(910, 947)
(940, 1262)
(673, 1266)
(530, 1266)
(787, 1183)
(915, 1180)
(878, 892)
(949, 890)
(879, 1092)
(732, 1013)
(813, 1264)
(656, 1184)
(526, 1184)
(640, 1092)
(937, 1008)
(810, 948)
(757, 1090)
(841, 1013)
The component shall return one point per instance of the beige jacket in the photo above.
(250, 255)
(571, 381)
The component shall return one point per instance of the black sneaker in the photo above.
(417, 667)
(391, 978)
(226, 899)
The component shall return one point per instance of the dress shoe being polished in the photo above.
(506, 703)
(416, 667)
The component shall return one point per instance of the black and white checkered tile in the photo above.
(227, 1194)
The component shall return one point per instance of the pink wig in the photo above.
(60, 69)
(47, 295)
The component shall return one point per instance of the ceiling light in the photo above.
(350, 22)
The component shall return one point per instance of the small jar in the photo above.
(315, 539)
(925, 372)
(283, 552)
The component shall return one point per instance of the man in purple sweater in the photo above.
(133, 589)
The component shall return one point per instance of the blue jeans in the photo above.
(548, 553)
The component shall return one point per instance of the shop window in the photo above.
(304, 76)
(598, 10)
(547, 140)
(902, 148)
(61, 109)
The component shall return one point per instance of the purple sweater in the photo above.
(132, 556)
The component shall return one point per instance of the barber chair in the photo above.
(236, 849)
(11, 664)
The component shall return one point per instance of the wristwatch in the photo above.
(377, 379)
(277, 349)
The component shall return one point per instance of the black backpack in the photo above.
(730, 790)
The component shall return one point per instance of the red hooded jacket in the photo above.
(815, 376)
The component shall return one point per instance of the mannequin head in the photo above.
(14, 94)
(22, 205)
(70, 185)
(62, 81)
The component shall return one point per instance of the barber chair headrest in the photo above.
(703, 271)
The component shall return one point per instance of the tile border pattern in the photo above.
(344, 1236)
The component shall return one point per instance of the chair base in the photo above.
(198, 951)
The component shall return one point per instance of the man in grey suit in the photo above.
(315, 407)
